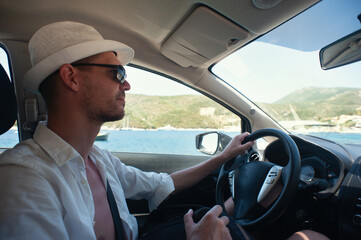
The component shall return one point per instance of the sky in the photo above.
(143, 82)
(287, 59)
(266, 72)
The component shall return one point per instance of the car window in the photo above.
(11, 137)
(281, 73)
(163, 116)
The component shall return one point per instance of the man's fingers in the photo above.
(249, 144)
(225, 220)
(246, 145)
(188, 219)
(216, 210)
(243, 136)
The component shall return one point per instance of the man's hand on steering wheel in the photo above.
(235, 147)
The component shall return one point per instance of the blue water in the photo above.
(9, 139)
(168, 142)
(340, 137)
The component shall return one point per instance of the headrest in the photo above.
(8, 105)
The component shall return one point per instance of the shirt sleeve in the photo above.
(137, 184)
(31, 209)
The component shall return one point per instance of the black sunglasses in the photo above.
(119, 76)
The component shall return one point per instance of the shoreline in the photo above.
(335, 129)
(301, 131)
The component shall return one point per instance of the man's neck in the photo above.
(80, 134)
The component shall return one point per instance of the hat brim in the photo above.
(49, 65)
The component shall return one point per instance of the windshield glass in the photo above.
(281, 73)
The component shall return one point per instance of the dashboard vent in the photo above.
(253, 157)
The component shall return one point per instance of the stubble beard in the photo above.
(108, 116)
(110, 113)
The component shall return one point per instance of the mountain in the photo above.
(197, 111)
(313, 94)
(185, 111)
(316, 104)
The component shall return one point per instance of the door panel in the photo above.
(200, 194)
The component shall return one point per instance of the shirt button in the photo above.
(84, 181)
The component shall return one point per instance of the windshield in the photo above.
(280, 72)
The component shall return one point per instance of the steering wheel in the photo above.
(261, 190)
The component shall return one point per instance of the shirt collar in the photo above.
(53, 145)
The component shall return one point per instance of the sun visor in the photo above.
(203, 37)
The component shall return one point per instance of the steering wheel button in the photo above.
(356, 219)
(270, 181)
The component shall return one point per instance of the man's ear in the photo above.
(68, 76)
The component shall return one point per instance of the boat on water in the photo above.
(102, 136)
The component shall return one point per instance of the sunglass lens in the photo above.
(121, 74)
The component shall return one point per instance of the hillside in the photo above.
(186, 111)
(312, 94)
(195, 111)
(316, 104)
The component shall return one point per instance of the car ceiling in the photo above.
(144, 25)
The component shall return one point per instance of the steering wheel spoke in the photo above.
(271, 188)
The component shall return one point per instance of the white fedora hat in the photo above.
(66, 42)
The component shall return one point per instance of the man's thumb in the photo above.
(188, 218)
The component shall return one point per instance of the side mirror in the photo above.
(212, 143)
(344, 51)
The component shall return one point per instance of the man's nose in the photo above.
(125, 86)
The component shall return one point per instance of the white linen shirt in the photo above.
(44, 192)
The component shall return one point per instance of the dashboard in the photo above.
(321, 170)
(330, 175)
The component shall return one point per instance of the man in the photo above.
(58, 185)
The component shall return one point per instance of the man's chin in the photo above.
(113, 117)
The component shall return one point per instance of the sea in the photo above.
(165, 141)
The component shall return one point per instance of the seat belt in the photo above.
(118, 225)
(236, 231)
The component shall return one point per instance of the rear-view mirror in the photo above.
(344, 51)
(212, 143)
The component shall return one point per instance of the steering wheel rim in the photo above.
(290, 176)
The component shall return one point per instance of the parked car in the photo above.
(286, 71)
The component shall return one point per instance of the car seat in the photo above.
(8, 104)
